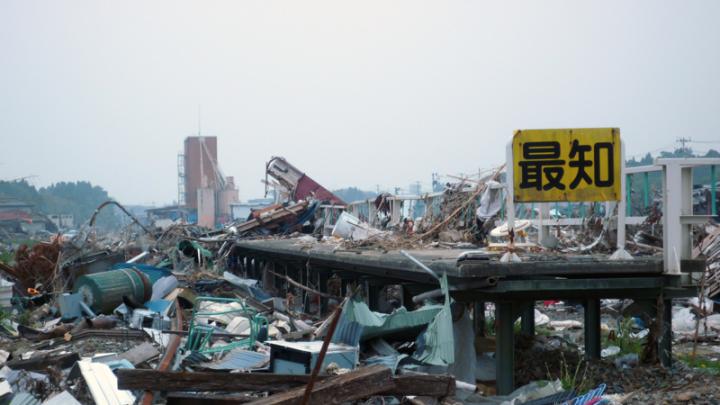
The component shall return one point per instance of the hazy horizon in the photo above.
(354, 94)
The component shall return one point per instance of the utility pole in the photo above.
(682, 141)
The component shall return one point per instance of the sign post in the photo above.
(568, 165)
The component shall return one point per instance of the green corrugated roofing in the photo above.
(439, 348)
(378, 324)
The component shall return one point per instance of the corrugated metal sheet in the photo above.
(390, 361)
(240, 360)
(102, 385)
(24, 398)
(347, 332)
(63, 398)
(307, 187)
(377, 324)
(439, 341)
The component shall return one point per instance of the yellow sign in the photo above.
(567, 165)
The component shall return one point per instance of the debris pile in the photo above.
(170, 313)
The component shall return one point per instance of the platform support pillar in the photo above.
(527, 322)
(664, 318)
(592, 328)
(505, 348)
(479, 318)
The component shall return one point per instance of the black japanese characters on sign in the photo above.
(566, 165)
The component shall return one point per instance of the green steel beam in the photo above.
(527, 319)
(713, 191)
(628, 195)
(589, 284)
(646, 190)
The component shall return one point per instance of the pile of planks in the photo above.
(360, 383)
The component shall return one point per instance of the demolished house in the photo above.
(312, 300)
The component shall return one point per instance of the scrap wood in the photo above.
(99, 322)
(274, 216)
(154, 380)
(207, 381)
(428, 385)
(354, 385)
(452, 215)
(215, 336)
(172, 348)
(183, 398)
(118, 334)
(36, 335)
(67, 330)
(41, 362)
(321, 356)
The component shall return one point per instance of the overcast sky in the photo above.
(353, 93)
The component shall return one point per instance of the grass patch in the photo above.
(570, 377)
(7, 257)
(489, 326)
(623, 338)
(699, 363)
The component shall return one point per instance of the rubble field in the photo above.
(170, 314)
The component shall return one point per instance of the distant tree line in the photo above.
(77, 198)
(701, 175)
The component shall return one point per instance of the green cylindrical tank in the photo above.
(103, 292)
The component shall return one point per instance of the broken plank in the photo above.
(154, 380)
(360, 383)
(205, 399)
(44, 361)
(426, 385)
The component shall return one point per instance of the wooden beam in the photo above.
(357, 384)
(172, 348)
(44, 361)
(154, 380)
(426, 385)
(205, 399)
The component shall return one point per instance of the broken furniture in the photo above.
(200, 335)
